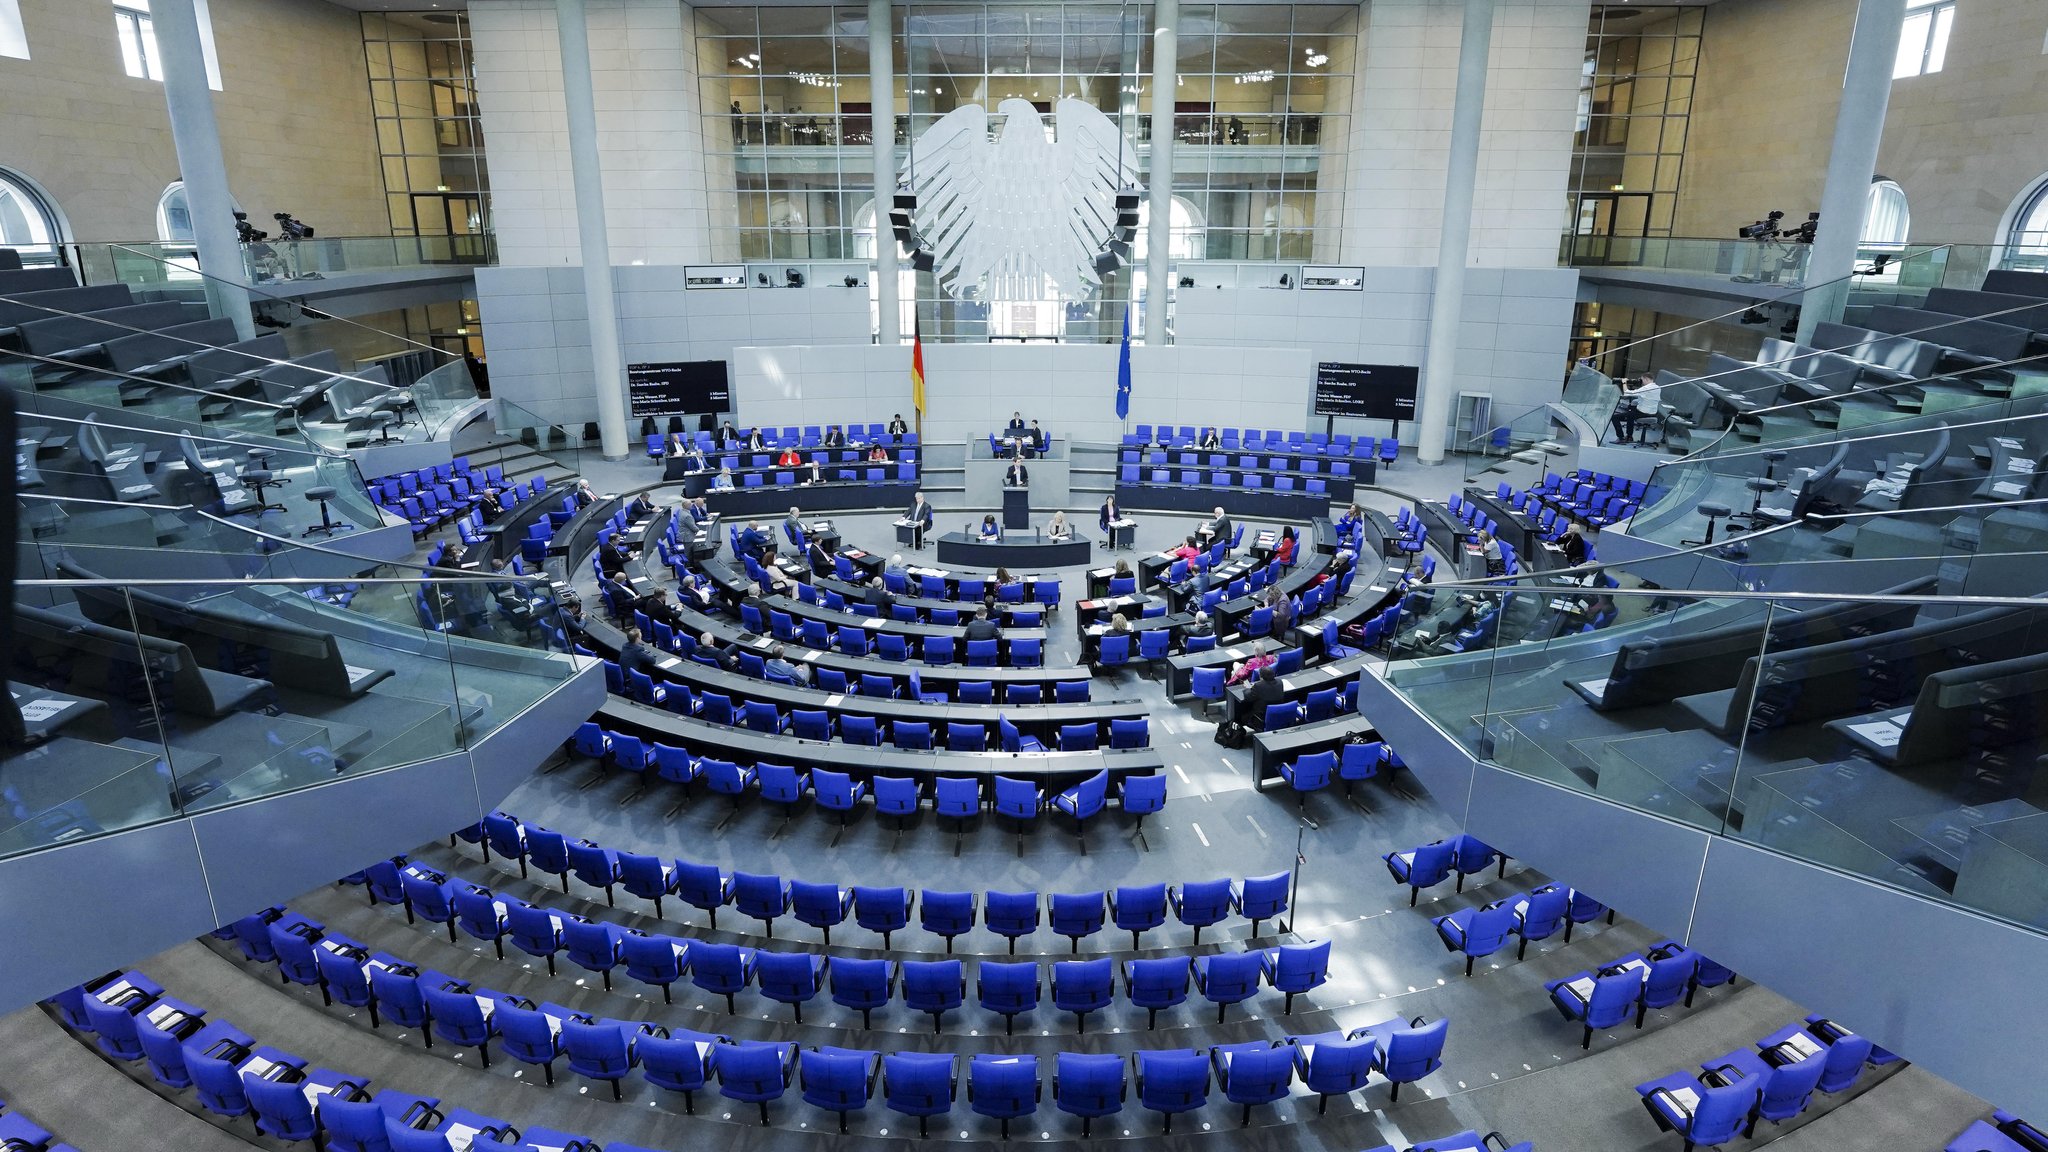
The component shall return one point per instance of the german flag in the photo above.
(917, 367)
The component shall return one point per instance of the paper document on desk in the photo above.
(42, 709)
(1883, 733)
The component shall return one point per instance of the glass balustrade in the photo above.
(1896, 738)
(165, 661)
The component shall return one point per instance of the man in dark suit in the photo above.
(611, 559)
(710, 651)
(491, 506)
(1266, 690)
(753, 541)
(658, 607)
(898, 426)
(834, 438)
(1016, 475)
(753, 599)
(1218, 528)
(633, 656)
(983, 628)
(879, 597)
(1016, 426)
(1037, 440)
(755, 441)
(921, 514)
(822, 562)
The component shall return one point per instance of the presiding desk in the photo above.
(960, 550)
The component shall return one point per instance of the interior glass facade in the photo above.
(1635, 100)
(429, 131)
(787, 107)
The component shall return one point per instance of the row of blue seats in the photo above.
(441, 504)
(18, 1133)
(657, 449)
(1257, 440)
(1413, 534)
(785, 478)
(1131, 908)
(1775, 1081)
(1538, 915)
(391, 488)
(934, 987)
(805, 436)
(1594, 497)
(1158, 458)
(233, 1077)
(880, 684)
(1633, 984)
(825, 725)
(1192, 477)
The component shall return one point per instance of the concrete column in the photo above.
(1159, 228)
(882, 98)
(1852, 160)
(1461, 173)
(594, 239)
(200, 165)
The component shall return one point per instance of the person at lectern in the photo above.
(920, 514)
(1016, 475)
(1110, 513)
(990, 530)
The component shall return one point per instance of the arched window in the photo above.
(1885, 216)
(174, 215)
(29, 224)
(2026, 238)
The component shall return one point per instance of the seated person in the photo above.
(642, 507)
(1200, 628)
(1186, 551)
(778, 580)
(752, 597)
(723, 481)
(1119, 625)
(981, 627)
(727, 434)
(710, 651)
(634, 656)
(1265, 692)
(1208, 440)
(878, 455)
(895, 567)
(696, 592)
(990, 530)
(1058, 528)
(1251, 665)
(1573, 545)
(879, 597)
(793, 525)
(820, 558)
(491, 506)
(1016, 428)
(780, 666)
(755, 441)
(1283, 610)
(584, 494)
(658, 607)
(1036, 440)
(788, 458)
(699, 510)
(834, 438)
(1283, 552)
(680, 444)
(753, 541)
(611, 559)
(1218, 528)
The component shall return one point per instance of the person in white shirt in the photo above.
(1639, 403)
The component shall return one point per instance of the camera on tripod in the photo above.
(246, 232)
(1763, 229)
(292, 227)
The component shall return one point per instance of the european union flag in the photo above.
(1123, 372)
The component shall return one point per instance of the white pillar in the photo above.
(1447, 303)
(606, 359)
(882, 100)
(1159, 228)
(1852, 160)
(200, 164)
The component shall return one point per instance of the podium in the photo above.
(1016, 509)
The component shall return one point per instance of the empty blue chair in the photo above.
(1083, 986)
(1141, 796)
(1421, 868)
(934, 986)
(656, 960)
(114, 1028)
(1008, 988)
(1077, 914)
(646, 877)
(1138, 908)
(1003, 1088)
(216, 1083)
(1296, 968)
(763, 897)
(594, 947)
(1200, 905)
(1252, 1073)
(1477, 932)
(836, 792)
(958, 797)
(1261, 898)
(863, 730)
(781, 784)
(1155, 984)
(600, 1050)
(1082, 800)
(791, 978)
(1785, 1090)
(1207, 685)
(1011, 915)
(721, 969)
(1669, 979)
(1598, 999)
(1113, 651)
(1090, 1086)
(862, 985)
(1171, 1082)
(755, 1071)
(283, 1108)
(703, 886)
(1329, 1064)
(947, 914)
(1470, 855)
(1405, 1052)
(913, 736)
(839, 1080)
(678, 1062)
(398, 999)
(1227, 978)
(1715, 1114)
(1310, 773)
(476, 910)
(1541, 914)
(459, 1019)
(432, 900)
(883, 910)
(920, 1084)
(820, 905)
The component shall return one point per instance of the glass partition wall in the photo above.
(788, 117)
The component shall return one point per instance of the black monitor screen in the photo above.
(689, 388)
(1371, 391)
